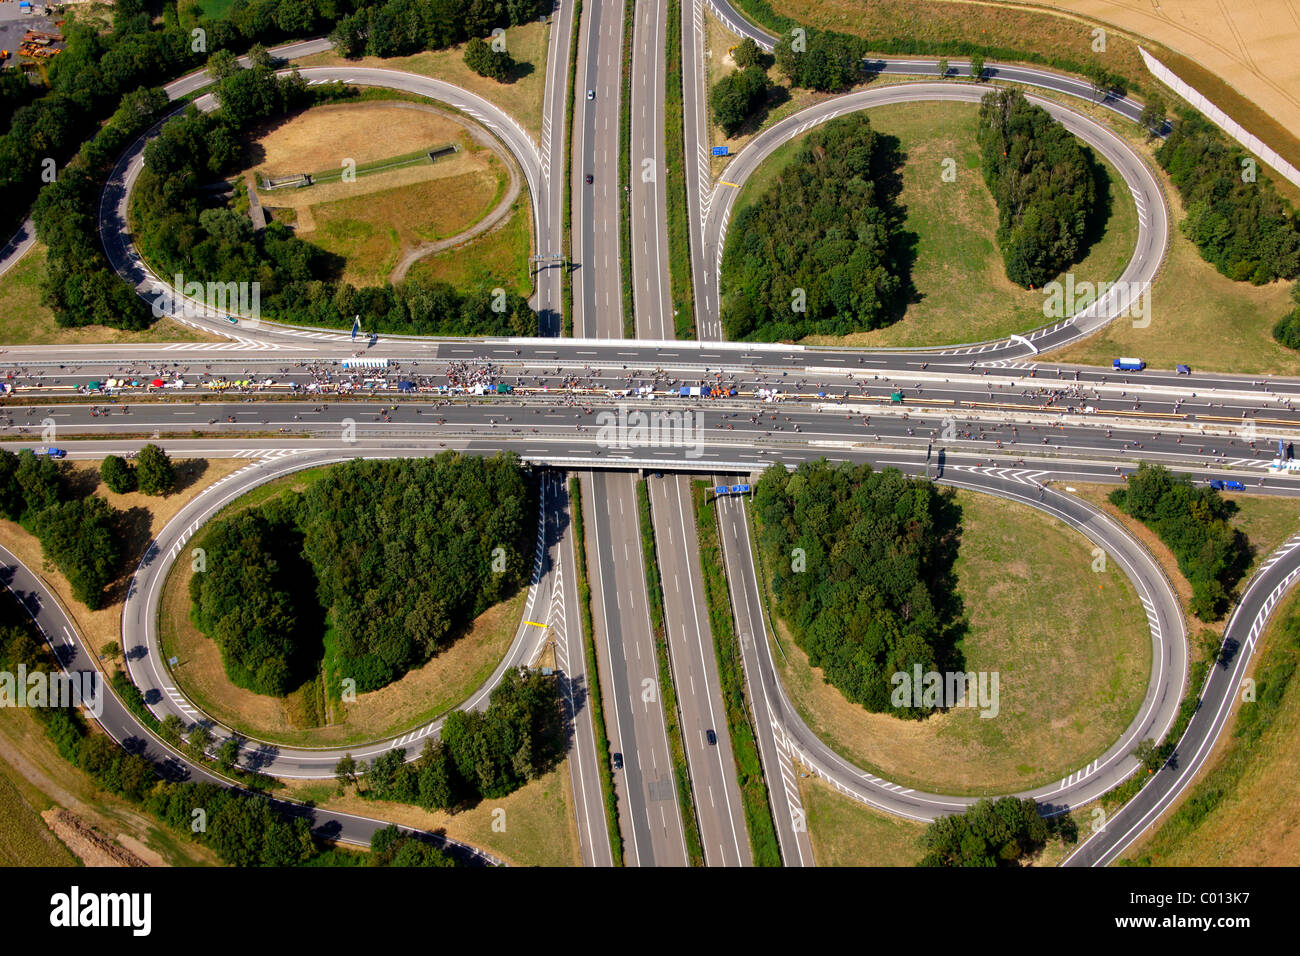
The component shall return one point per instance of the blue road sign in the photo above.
(720, 151)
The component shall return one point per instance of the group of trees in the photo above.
(1234, 216)
(80, 535)
(1003, 832)
(402, 554)
(401, 27)
(407, 551)
(827, 62)
(245, 600)
(862, 568)
(152, 474)
(481, 755)
(1193, 522)
(738, 96)
(1044, 182)
(816, 252)
(182, 232)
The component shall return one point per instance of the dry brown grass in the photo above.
(146, 517)
(33, 765)
(1014, 563)
(1251, 48)
(325, 136)
(540, 827)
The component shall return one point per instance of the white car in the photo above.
(591, 94)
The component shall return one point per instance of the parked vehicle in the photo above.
(1129, 364)
(1184, 370)
(1216, 484)
(1234, 486)
(52, 452)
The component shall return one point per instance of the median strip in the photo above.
(668, 694)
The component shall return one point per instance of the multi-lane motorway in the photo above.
(991, 416)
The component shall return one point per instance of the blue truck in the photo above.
(1128, 364)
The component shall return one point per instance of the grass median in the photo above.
(749, 766)
(681, 281)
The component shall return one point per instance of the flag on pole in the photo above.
(356, 326)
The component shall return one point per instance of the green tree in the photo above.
(154, 472)
(1152, 119)
(485, 61)
(977, 66)
(345, 771)
(738, 96)
(117, 475)
(1148, 755)
(747, 53)
(942, 68)
(170, 729)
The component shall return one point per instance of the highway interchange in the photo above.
(996, 417)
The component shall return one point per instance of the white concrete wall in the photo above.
(1221, 119)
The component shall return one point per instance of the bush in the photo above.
(117, 475)
(485, 61)
(154, 472)
(1287, 329)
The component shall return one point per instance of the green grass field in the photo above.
(1036, 610)
(844, 832)
(963, 294)
(24, 320)
(499, 257)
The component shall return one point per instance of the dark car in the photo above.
(618, 761)
(589, 179)
(711, 737)
(1216, 484)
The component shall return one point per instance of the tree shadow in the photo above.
(188, 472)
(518, 71)
(1102, 210)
